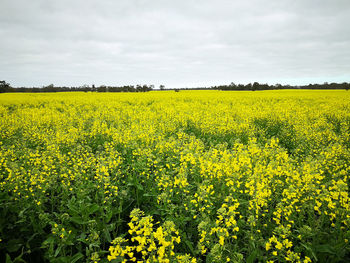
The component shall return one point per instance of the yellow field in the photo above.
(190, 176)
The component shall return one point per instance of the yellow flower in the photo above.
(267, 246)
(307, 259)
(221, 240)
(279, 245)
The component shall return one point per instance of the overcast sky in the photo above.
(182, 43)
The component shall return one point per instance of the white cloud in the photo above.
(176, 43)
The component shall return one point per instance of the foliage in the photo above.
(194, 176)
(5, 87)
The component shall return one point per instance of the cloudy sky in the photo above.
(182, 43)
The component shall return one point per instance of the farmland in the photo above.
(192, 176)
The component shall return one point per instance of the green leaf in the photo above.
(58, 250)
(72, 208)
(13, 245)
(30, 239)
(92, 209)
(148, 195)
(60, 260)
(189, 245)
(48, 241)
(19, 259)
(107, 235)
(310, 250)
(76, 257)
(78, 220)
(109, 215)
(325, 249)
(21, 213)
(252, 256)
(8, 259)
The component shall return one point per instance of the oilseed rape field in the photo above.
(190, 176)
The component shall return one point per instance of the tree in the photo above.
(255, 86)
(102, 88)
(4, 86)
(161, 87)
(49, 88)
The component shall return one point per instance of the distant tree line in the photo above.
(258, 86)
(6, 87)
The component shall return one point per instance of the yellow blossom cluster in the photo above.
(152, 245)
(190, 176)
